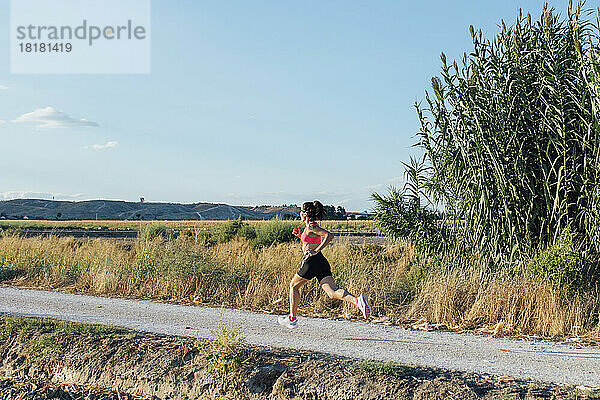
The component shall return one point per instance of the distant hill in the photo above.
(123, 210)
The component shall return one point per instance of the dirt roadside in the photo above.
(50, 359)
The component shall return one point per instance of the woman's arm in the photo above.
(296, 232)
(321, 232)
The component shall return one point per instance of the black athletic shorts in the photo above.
(315, 266)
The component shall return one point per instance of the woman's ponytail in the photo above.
(314, 210)
(319, 210)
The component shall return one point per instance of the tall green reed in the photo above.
(512, 134)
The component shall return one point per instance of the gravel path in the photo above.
(544, 361)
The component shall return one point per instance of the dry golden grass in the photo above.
(402, 287)
(499, 306)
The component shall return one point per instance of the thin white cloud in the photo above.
(397, 181)
(3, 87)
(50, 118)
(107, 145)
(25, 194)
(2, 122)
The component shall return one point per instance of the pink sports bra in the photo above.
(309, 240)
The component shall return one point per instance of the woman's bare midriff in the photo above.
(308, 246)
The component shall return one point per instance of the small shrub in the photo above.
(560, 264)
(230, 229)
(226, 231)
(151, 231)
(383, 368)
(247, 231)
(273, 232)
(224, 352)
(203, 237)
(228, 336)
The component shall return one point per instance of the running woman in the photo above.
(316, 265)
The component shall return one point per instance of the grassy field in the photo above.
(93, 224)
(423, 291)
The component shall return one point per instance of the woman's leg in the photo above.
(295, 285)
(328, 285)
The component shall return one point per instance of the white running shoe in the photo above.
(285, 321)
(364, 306)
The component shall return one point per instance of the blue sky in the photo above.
(247, 103)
